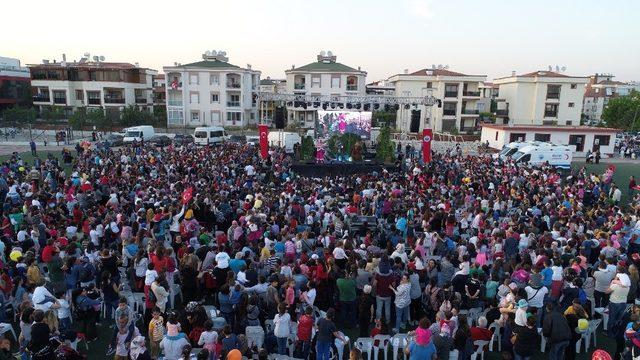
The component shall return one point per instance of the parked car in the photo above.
(182, 139)
(241, 139)
(253, 140)
(160, 140)
(114, 140)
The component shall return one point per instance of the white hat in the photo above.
(624, 279)
(367, 289)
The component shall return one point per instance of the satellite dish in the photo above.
(87, 55)
(563, 68)
(207, 52)
(96, 58)
(557, 68)
(101, 58)
(433, 66)
(222, 53)
(446, 67)
(550, 68)
(323, 53)
(440, 66)
(329, 53)
(214, 53)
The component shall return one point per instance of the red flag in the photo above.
(187, 195)
(263, 130)
(427, 137)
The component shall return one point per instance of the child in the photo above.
(173, 326)
(156, 332)
(64, 312)
(208, 339)
(290, 298)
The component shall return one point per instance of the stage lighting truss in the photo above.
(349, 101)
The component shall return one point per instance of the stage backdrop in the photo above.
(343, 122)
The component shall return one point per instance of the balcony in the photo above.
(551, 114)
(299, 86)
(470, 112)
(41, 98)
(451, 94)
(471, 93)
(175, 85)
(233, 85)
(352, 87)
(449, 112)
(502, 112)
(62, 101)
(141, 100)
(174, 102)
(233, 103)
(114, 100)
(93, 101)
(553, 96)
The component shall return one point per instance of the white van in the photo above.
(511, 148)
(284, 140)
(138, 133)
(557, 155)
(209, 135)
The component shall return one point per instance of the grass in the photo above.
(620, 177)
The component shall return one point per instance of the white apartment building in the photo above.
(540, 98)
(93, 84)
(460, 100)
(211, 92)
(267, 108)
(600, 89)
(159, 90)
(325, 77)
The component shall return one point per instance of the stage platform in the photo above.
(339, 168)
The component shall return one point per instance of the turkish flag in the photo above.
(263, 130)
(427, 137)
(187, 195)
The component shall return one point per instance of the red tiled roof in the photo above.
(159, 76)
(550, 128)
(87, 65)
(611, 82)
(543, 73)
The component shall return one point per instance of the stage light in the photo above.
(387, 108)
(289, 103)
(407, 106)
(333, 105)
(304, 105)
(358, 106)
(366, 107)
(349, 106)
(376, 106)
(397, 107)
(324, 106)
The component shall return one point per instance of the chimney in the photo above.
(293, 67)
(513, 73)
(358, 68)
(64, 57)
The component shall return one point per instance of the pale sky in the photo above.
(384, 37)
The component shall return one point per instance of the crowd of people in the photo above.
(172, 249)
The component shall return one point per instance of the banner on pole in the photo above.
(263, 130)
(427, 137)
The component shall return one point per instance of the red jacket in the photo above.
(305, 324)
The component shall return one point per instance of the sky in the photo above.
(383, 37)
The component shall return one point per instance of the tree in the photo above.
(623, 112)
(53, 114)
(131, 116)
(19, 115)
(307, 148)
(384, 147)
(160, 116)
(97, 118)
(78, 120)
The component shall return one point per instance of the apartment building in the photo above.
(540, 98)
(267, 108)
(211, 92)
(159, 90)
(15, 84)
(91, 83)
(460, 100)
(325, 77)
(599, 90)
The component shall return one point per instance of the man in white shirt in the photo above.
(43, 299)
(618, 292)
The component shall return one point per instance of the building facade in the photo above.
(159, 90)
(15, 84)
(600, 89)
(211, 92)
(267, 108)
(540, 98)
(93, 84)
(325, 77)
(460, 100)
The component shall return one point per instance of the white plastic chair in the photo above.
(453, 354)
(479, 350)
(473, 316)
(340, 346)
(138, 301)
(495, 338)
(383, 344)
(593, 329)
(255, 336)
(365, 345)
(399, 342)
(543, 341)
(605, 316)
(583, 340)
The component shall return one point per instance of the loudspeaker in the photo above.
(415, 121)
(279, 117)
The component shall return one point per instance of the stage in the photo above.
(311, 169)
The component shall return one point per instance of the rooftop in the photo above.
(326, 67)
(86, 65)
(551, 128)
(542, 74)
(211, 64)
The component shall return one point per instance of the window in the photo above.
(233, 116)
(194, 97)
(429, 85)
(234, 100)
(602, 140)
(215, 117)
(195, 116)
(574, 86)
(449, 108)
(551, 110)
(571, 104)
(352, 83)
(542, 137)
(553, 91)
(193, 79)
(335, 81)
(315, 81)
(214, 79)
(79, 95)
(215, 98)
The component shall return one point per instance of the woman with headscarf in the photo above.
(138, 349)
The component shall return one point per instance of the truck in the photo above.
(138, 133)
(559, 156)
(284, 140)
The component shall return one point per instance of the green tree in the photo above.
(160, 116)
(53, 114)
(18, 115)
(97, 118)
(307, 148)
(623, 112)
(384, 147)
(78, 120)
(131, 116)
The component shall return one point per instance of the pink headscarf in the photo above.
(423, 336)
